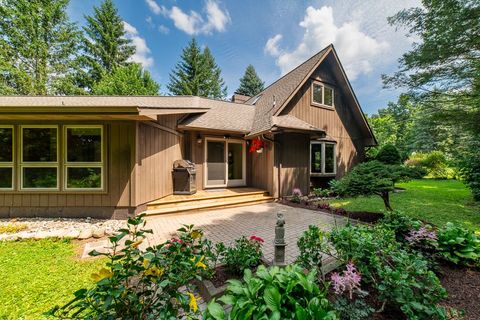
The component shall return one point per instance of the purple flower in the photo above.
(420, 235)
(348, 281)
(297, 192)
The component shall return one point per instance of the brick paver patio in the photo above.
(225, 225)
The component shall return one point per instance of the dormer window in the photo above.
(322, 95)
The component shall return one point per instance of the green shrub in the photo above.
(273, 293)
(458, 245)
(434, 163)
(321, 193)
(470, 166)
(372, 178)
(150, 284)
(400, 224)
(388, 154)
(243, 254)
(313, 244)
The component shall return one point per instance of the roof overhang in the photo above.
(213, 130)
(89, 113)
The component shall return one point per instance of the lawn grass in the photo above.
(37, 275)
(436, 201)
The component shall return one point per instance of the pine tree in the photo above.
(127, 80)
(37, 46)
(197, 74)
(250, 83)
(105, 45)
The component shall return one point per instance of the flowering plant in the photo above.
(421, 235)
(256, 144)
(348, 281)
(296, 195)
(243, 254)
(143, 284)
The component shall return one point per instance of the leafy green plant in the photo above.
(313, 245)
(321, 193)
(137, 284)
(273, 293)
(357, 309)
(400, 224)
(458, 245)
(243, 254)
(296, 195)
(434, 163)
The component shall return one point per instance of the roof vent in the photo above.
(256, 99)
(274, 101)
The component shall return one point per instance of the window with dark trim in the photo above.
(6, 157)
(323, 158)
(322, 95)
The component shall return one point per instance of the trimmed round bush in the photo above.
(389, 154)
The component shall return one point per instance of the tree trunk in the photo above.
(386, 200)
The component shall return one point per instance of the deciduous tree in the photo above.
(130, 80)
(38, 45)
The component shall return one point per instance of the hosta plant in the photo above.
(458, 245)
(143, 284)
(271, 294)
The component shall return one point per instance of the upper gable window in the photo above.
(322, 95)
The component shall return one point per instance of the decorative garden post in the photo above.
(279, 242)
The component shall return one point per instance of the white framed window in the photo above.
(84, 163)
(39, 164)
(322, 95)
(323, 158)
(6, 158)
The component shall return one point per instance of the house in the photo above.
(112, 156)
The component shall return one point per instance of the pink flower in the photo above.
(422, 234)
(348, 281)
(255, 238)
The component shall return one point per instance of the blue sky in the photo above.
(274, 36)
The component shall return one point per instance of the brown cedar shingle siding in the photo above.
(116, 201)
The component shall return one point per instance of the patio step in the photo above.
(208, 202)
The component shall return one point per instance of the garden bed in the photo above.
(363, 216)
(462, 285)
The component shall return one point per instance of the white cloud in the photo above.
(193, 23)
(163, 29)
(357, 50)
(154, 7)
(271, 47)
(142, 53)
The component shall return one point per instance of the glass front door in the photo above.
(225, 163)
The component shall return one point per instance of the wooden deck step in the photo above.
(216, 202)
(205, 196)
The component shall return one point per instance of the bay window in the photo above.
(39, 157)
(322, 158)
(83, 157)
(6, 157)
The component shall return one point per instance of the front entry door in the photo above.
(224, 163)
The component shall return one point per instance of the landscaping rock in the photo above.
(98, 232)
(73, 234)
(85, 234)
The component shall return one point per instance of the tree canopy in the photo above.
(197, 74)
(104, 43)
(37, 47)
(127, 80)
(250, 83)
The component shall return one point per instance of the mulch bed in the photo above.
(221, 275)
(364, 216)
(463, 287)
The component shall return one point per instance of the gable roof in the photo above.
(275, 96)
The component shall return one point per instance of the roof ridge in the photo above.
(291, 71)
